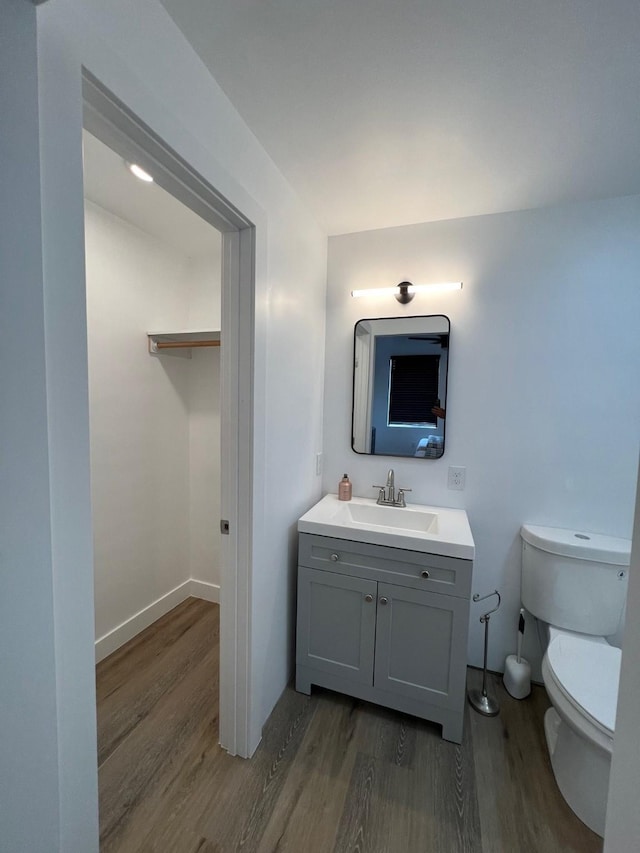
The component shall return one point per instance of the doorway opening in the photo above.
(110, 121)
(153, 271)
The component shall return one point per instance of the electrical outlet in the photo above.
(318, 464)
(457, 476)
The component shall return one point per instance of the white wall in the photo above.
(204, 468)
(186, 108)
(204, 424)
(543, 404)
(288, 439)
(203, 311)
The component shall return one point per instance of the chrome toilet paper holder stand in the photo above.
(478, 699)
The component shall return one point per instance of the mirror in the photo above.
(400, 386)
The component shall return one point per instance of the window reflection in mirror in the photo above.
(400, 386)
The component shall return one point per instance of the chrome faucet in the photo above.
(391, 492)
(387, 494)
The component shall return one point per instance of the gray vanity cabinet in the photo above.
(386, 625)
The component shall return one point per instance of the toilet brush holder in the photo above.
(517, 677)
(517, 670)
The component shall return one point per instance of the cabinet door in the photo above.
(336, 624)
(421, 645)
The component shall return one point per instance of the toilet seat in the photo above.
(587, 672)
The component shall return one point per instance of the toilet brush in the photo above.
(517, 671)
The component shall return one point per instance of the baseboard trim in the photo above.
(205, 590)
(121, 634)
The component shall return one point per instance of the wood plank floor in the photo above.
(331, 775)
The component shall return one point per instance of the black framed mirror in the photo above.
(400, 367)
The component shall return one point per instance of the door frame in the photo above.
(107, 118)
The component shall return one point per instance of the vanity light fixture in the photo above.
(405, 291)
(139, 172)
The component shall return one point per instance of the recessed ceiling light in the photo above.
(139, 172)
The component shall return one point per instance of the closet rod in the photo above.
(185, 344)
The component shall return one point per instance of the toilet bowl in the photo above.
(581, 677)
(576, 584)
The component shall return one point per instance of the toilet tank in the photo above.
(575, 580)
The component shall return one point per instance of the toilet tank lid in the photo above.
(578, 544)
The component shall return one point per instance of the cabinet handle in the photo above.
(384, 600)
(335, 558)
(368, 598)
(425, 574)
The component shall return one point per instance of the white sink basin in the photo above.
(400, 518)
(433, 530)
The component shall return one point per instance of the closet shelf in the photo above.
(180, 343)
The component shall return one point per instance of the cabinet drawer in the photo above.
(447, 575)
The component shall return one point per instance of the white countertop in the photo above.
(430, 529)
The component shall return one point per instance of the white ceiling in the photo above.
(388, 112)
(109, 183)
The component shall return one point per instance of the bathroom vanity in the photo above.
(383, 606)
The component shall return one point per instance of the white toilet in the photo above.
(576, 583)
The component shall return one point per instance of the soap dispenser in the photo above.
(345, 489)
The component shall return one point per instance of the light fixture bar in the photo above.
(411, 289)
(375, 291)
